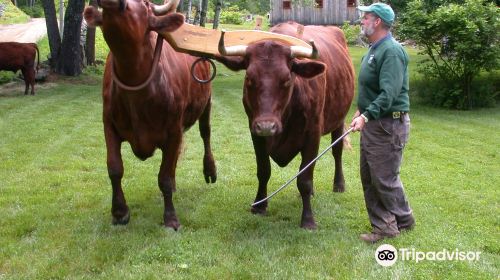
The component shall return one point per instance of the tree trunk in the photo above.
(467, 88)
(52, 31)
(180, 7)
(61, 17)
(203, 15)
(90, 40)
(218, 7)
(69, 62)
(188, 17)
(196, 19)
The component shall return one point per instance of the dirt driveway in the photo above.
(29, 32)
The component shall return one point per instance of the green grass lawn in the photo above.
(55, 198)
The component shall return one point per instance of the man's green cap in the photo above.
(383, 11)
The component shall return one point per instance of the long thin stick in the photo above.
(303, 169)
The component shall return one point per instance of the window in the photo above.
(351, 3)
(318, 3)
(287, 5)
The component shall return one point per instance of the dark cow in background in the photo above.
(147, 103)
(291, 103)
(20, 56)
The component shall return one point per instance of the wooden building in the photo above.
(318, 12)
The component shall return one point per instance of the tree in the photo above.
(180, 7)
(196, 19)
(52, 31)
(460, 41)
(203, 14)
(65, 56)
(90, 40)
(218, 8)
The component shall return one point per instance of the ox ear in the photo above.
(167, 23)
(234, 63)
(308, 69)
(92, 16)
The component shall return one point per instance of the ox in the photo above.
(291, 103)
(149, 97)
(20, 56)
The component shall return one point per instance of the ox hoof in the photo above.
(339, 188)
(209, 169)
(121, 220)
(210, 178)
(171, 221)
(175, 225)
(258, 210)
(309, 224)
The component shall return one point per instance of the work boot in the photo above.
(375, 237)
(406, 228)
(407, 225)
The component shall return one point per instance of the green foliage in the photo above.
(36, 11)
(11, 14)
(460, 41)
(247, 25)
(232, 15)
(351, 32)
(259, 7)
(485, 88)
(6, 76)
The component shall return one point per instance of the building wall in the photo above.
(334, 12)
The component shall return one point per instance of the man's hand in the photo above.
(358, 122)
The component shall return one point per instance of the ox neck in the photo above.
(129, 72)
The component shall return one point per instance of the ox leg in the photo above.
(119, 208)
(31, 79)
(338, 179)
(166, 179)
(26, 80)
(209, 169)
(305, 182)
(263, 173)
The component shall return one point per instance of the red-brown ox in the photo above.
(150, 107)
(20, 56)
(291, 103)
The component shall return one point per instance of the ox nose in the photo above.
(266, 128)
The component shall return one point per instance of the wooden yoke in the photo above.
(199, 41)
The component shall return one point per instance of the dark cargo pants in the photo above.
(382, 144)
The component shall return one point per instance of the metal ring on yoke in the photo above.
(213, 73)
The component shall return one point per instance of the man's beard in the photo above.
(367, 30)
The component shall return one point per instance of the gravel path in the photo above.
(29, 32)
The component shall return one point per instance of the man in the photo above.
(382, 117)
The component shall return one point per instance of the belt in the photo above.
(398, 115)
(395, 115)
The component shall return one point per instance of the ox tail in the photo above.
(38, 58)
(347, 139)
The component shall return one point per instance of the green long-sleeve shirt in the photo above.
(383, 80)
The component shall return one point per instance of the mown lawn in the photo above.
(55, 198)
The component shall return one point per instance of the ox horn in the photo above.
(170, 6)
(299, 52)
(230, 51)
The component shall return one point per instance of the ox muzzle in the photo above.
(266, 126)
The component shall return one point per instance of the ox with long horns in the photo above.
(149, 97)
(291, 101)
